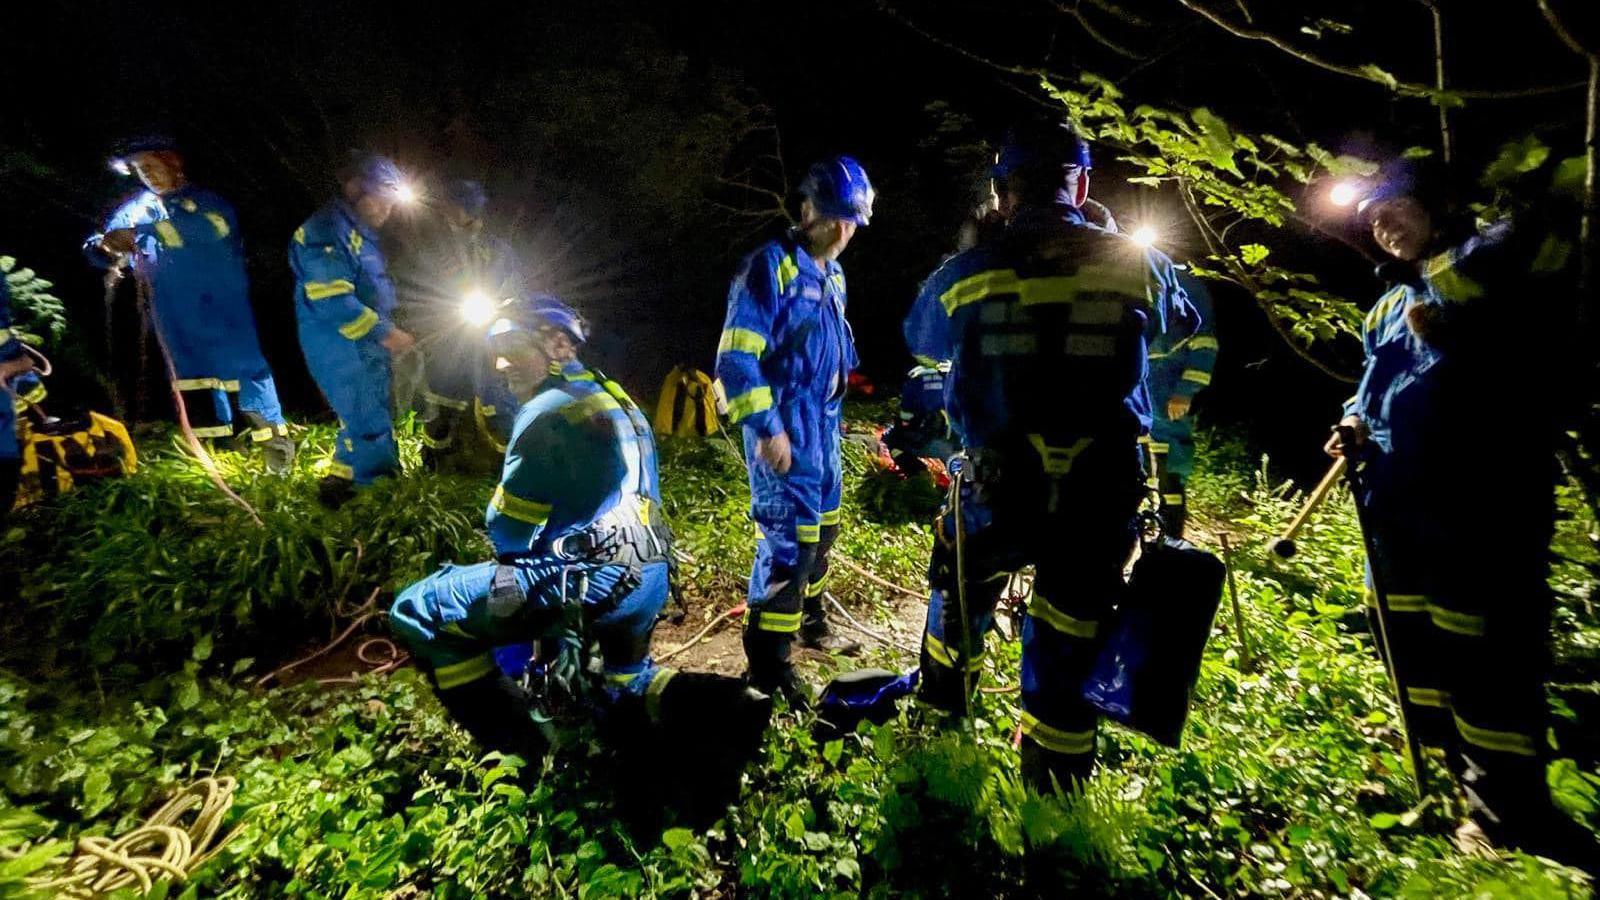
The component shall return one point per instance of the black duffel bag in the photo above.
(1151, 655)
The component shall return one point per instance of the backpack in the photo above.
(688, 404)
(58, 454)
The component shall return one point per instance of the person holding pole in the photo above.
(1459, 599)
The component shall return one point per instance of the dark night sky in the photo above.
(602, 128)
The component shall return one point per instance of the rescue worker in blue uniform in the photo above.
(583, 565)
(451, 278)
(784, 361)
(14, 362)
(1179, 369)
(1045, 331)
(1460, 537)
(182, 243)
(922, 430)
(345, 302)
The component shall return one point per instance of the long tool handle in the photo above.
(1284, 545)
(1381, 596)
(1238, 616)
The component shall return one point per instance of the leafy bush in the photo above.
(1289, 782)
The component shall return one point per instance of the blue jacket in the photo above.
(787, 351)
(1484, 350)
(342, 281)
(1046, 329)
(1181, 366)
(188, 248)
(579, 449)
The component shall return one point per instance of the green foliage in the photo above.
(1289, 781)
(1226, 178)
(36, 313)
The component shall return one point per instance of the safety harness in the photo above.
(632, 534)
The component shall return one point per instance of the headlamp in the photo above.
(477, 309)
(1145, 236)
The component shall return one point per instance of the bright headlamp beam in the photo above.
(477, 308)
(1345, 193)
(405, 193)
(1144, 236)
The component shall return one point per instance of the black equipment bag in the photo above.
(1150, 659)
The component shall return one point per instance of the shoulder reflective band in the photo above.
(168, 233)
(356, 242)
(1041, 609)
(1203, 342)
(357, 328)
(749, 403)
(457, 674)
(1503, 741)
(1198, 376)
(300, 235)
(219, 223)
(1088, 280)
(788, 271)
(1381, 309)
(529, 511)
(942, 655)
(742, 340)
(322, 290)
(783, 623)
(1071, 743)
(188, 205)
(592, 405)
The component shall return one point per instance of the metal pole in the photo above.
(1381, 596)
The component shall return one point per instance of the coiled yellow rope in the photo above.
(163, 847)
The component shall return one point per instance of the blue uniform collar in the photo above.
(356, 222)
(1032, 217)
(802, 257)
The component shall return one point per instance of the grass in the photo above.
(147, 607)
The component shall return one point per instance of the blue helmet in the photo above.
(377, 174)
(126, 150)
(1041, 146)
(839, 189)
(467, 194)
(535, 311)
(1425, 181)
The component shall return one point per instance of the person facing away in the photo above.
(1044, 329)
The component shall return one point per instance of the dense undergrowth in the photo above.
(148, 607)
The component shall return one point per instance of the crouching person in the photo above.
(582, 570)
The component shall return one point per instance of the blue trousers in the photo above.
(1077, 530)
(354, 376)
(451, 626)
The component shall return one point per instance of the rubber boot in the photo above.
(496, 712)
(817, 634)
(1510, 803)
(770, 671)
(334, 492)
(277, 451)
(1043, 770)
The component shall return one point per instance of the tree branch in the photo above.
(1372, 74)
(1219, 249)
(1446, 140)
(1073, 11)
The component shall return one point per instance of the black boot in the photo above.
(1043, 770)
(278, 450)
(817, 634)
(770, 671)
(495, 711)
(334, 492)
